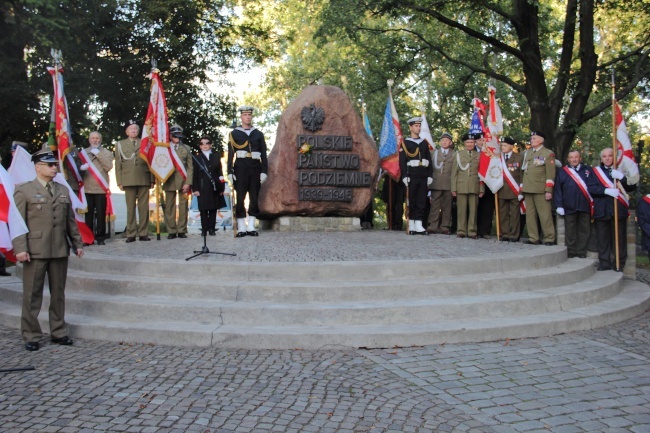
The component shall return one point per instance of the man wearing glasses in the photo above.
(47, 210)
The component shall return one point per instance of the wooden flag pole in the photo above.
(496, 207)
(615, 152)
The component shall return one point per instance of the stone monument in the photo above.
(323, 163)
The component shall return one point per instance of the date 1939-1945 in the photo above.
(325, 194)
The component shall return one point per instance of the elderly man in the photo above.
(573, 201)
(176, 185)
(466, 187)
(96, 185)
(47, 210)
(134, 178)
(509, 211)
(537, 186)
(608, 185)
(443, 159)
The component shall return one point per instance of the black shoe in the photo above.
(32, 346)
(505, 239)
(619, 269)
(549, 244)
(241, 234)
(460, 236)
(413, 232)
(182, 235)
(170, 236)
(145, 238)
(252, 233)
(474, 237)
(212, 233)
(529, 242)
(128, 240)
(4, 273)
(100, 243)
(63, 341)
(86, 245)
(602, 268)
(424, 233)
(204, 233)
(571, 255)
(582, 256)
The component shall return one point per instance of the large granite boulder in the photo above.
(323, 162)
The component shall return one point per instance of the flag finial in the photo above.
(56, 55)
(390, 83)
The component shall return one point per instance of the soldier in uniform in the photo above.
(485, 209)
(465, 186)
(248, 170)
(176, 185)
(604, 192)
(443, 159)
(537, 186)
(509, 213)
(134, 178)
(416, 173)
(47, 210)
(573, 201)
(102, 159)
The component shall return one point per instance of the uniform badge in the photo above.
(539, 160)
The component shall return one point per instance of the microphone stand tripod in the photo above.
(205, 250)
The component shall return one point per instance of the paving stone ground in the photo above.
(592, 381)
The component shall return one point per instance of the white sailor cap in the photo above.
(245, 108)
(413, 120)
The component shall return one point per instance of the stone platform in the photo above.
(328, 290)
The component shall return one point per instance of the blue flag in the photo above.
(387, 140)
(366, 124)
(475, 126)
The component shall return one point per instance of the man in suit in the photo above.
(573, 201)
(177, 185)
(465, 186)
(443, 158)
(247, 169)
(537, 186)
(102, 160)
(134, 178)
(47, 210)
(509, 213)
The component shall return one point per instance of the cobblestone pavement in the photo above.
(314, 247)
(594, 381)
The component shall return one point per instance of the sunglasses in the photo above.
(50, 164)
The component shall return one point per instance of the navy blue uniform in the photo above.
(250, 148)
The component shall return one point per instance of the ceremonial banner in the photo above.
(11, 222)
(154, 145)
(626, 161)
(366, 125)
(425, 132)
(490, 170)
(390, 140)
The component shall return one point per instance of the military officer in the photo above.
(176, 185)
(416, 172)
(443, 159)
(466, 187)
(47, 210)
(485, 208)
(573, 201)
(102, 161)
(605, 192)
(537, 186)
(134, 178)
(248, 170)
(509, 212)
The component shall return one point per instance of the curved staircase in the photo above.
(310, 305)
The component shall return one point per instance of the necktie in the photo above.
(48, 187)
(507, 157)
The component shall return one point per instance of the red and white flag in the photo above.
(626, 161)
(154, 145)
(425, 132)
(489, 169)
(22, 170)
(11, 222)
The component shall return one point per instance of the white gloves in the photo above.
(94, 151)
(429, 180)
(84, 167)
(613, 192)
(520, 197)
(616, 174)
(231, 178)
(406, 181)
(263, 177)
(220, 178)
(560, 211)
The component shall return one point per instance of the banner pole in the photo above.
(615, 152)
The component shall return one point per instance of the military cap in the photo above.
(541, 134)
(470, 136)
(447, 135)
(413, 120)
(130, 122)
(508, 140)
(246, 108)
(44, 155)
(176, 131)
(15, 144)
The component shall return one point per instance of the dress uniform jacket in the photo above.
(415, 163)
(247, 161)
(568, 195)
(104, 163)
(130, 168)
(442, 166)
(539, 171)
(464, 173)
(514, 163)
(175, 181)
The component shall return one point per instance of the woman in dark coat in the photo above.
(207, 185)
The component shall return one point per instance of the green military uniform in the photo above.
(538, 179)
(441, 199)
(509, 213)
(173, 186)
(132, 173)
(51, 223)
(466, 185)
